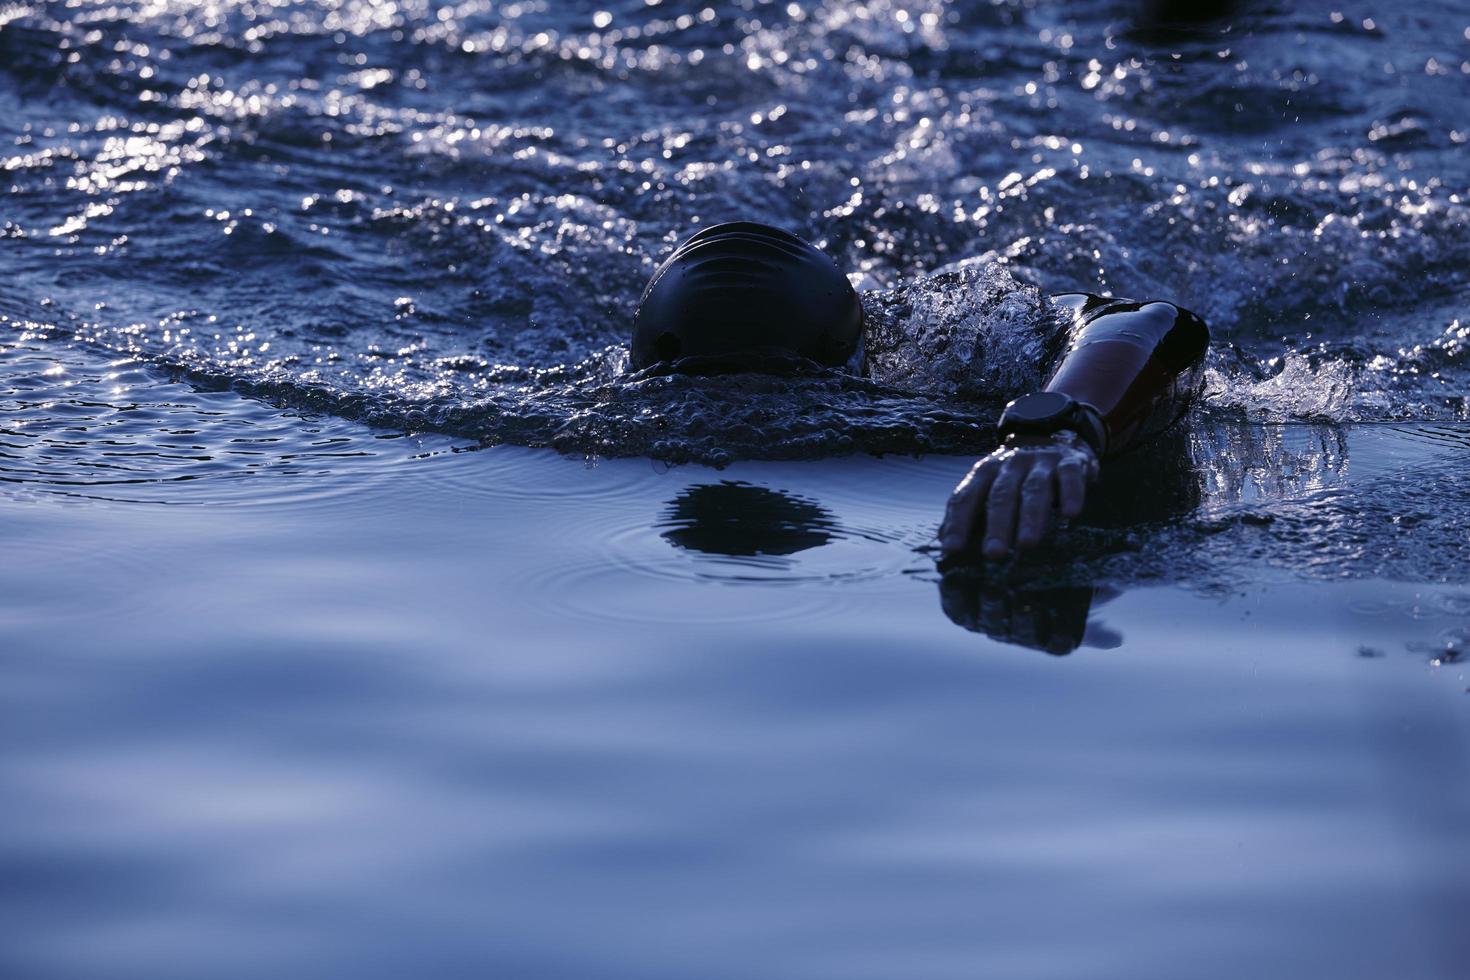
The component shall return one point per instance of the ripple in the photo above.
(62, 552)
(517, 473)
(609, 589)
(738, 533)
(116, 431)
(1451, 438)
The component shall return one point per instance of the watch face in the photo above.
(1043, 406)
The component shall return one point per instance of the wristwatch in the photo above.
(1043, 413)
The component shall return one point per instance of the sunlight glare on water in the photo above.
(426, 215)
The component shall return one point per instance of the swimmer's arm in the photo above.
(1135, 367)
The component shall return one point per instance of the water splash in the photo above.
(430, 216)
(971, 333)
(1297, 390)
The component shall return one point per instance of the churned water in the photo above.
(439, 216)
(318, 660)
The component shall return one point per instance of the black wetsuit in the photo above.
(1143, 367)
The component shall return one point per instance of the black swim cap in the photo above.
(742, 287)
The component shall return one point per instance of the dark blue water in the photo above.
(317, 660)
(440, 216)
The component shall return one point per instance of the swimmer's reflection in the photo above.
(1055, 619)
(738, 520)
(1047, 602)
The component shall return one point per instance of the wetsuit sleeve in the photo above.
(1139, 366)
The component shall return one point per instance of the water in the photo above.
(440, 216)
(319, 662)
(494, 711)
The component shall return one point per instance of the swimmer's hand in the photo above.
(1009, 500)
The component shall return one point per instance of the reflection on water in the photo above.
(738, 520)
(739, 533)
(1276, 462)
(1053, 619)
(1208, 505)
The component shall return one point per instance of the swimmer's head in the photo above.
(745, 287)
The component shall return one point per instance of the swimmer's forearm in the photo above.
(1133, 368)
(1137, 365)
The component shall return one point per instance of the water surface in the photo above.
(319, 660)
(440, 216)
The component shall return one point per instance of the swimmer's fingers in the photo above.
(1071, 488)
(964, 504)
(1037, 495)
(1009, 500)
(1001, 508)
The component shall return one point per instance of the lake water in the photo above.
(362, 617)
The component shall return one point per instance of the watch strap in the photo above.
(1067, 415)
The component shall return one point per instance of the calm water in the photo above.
(319, 661)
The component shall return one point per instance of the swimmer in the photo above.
(1125, 371)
